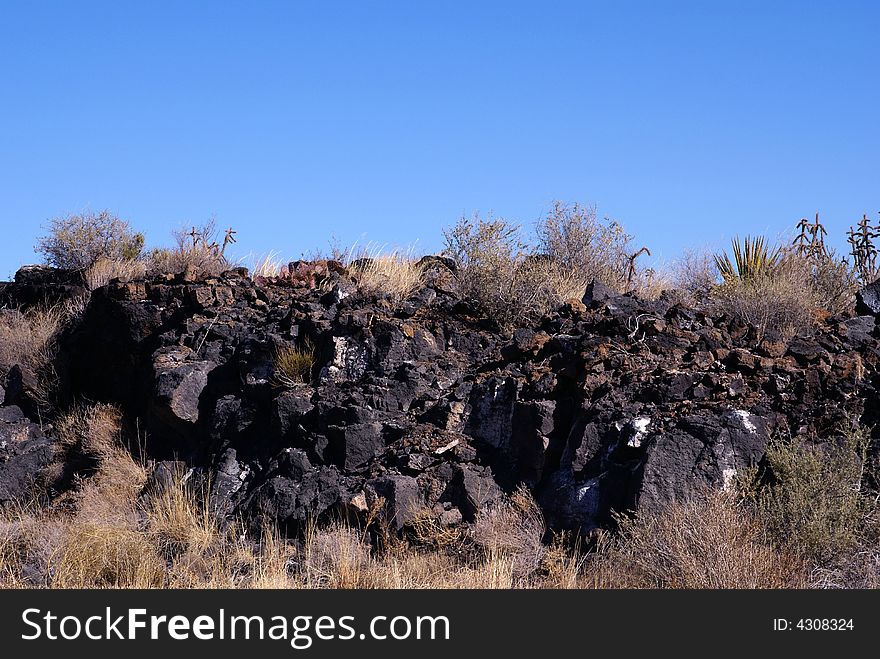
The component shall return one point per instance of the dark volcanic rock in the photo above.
(868, 299)
(25, 452)
(610, 404)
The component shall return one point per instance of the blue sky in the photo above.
(384, 121)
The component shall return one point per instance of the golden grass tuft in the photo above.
(293, 365)
(395, 274)
(105, 270)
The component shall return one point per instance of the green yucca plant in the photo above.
(752, 258)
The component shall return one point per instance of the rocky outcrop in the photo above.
(609, 403)
(25, 454)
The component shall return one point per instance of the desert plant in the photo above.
(864, 250)
(783, 302)
(813, 500)
(198, 249)
(105, 270)
(75, 242)
(711, 540)
(395, 273)
(582, 245)
(753, 258)
(293, 365)
(695, 272)
(496, 273)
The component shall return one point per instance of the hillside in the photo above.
(293, 401)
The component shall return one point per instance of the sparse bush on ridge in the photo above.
(196, 248)
(75, 242)
(581, 245)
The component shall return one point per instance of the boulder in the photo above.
(25, 453)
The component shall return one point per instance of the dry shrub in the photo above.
(496, 273)
(105, 270)
(814, 502)
(579, 243)
(708, 541)
(513, 532)
(695, 272)
(834, 281)
(196, 249)
(781, 301)
(394, 274)
(75, 242)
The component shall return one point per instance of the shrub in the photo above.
(496, 273)
(708, 541)
(695, 272)
(782, 302)
(575, 240)
(814, 502)
(195, 249)
(75, 242)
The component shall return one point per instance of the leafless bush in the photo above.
(708, 541)
(497, 274)
(695, 272)
(76, 242)
(583, 246)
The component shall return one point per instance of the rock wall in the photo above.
(609, 403)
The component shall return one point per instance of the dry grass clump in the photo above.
(709, 541)
(27, 337)
(267, 266)
(513, 534)
(394, 274)
(196, 249)
(293, 365)
(75, 242)
(105, 270)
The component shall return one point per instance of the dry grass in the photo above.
(293, 365)
(710, 541)
(267, 266)
(394, 274)
(105, 270)
(782, 302)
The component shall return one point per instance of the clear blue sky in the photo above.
(291, 121)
